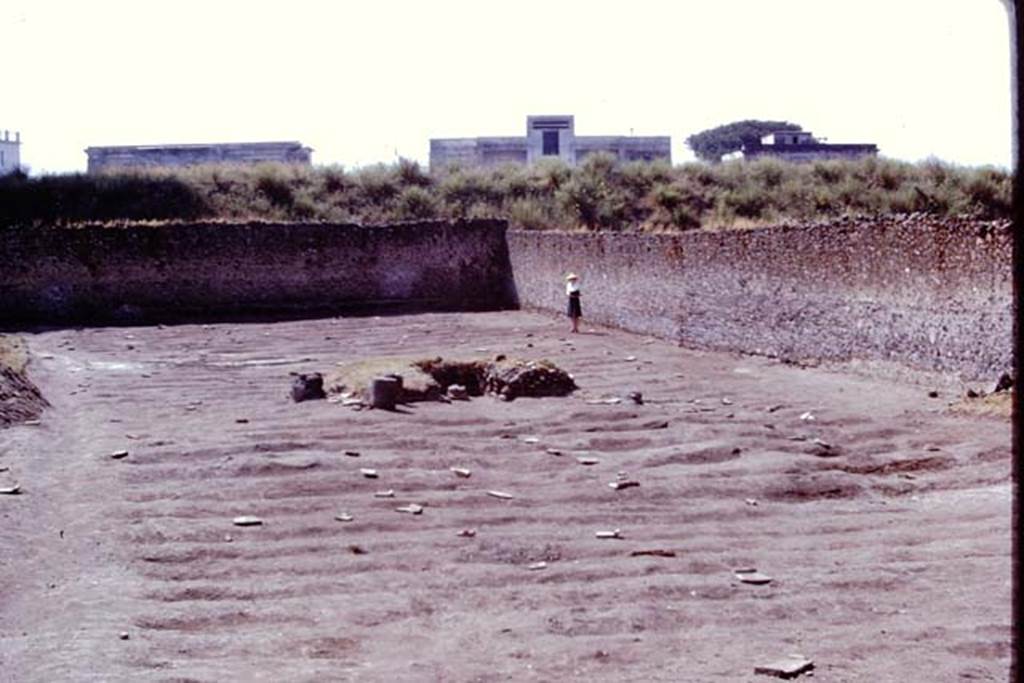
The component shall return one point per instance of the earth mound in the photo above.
(20, 399)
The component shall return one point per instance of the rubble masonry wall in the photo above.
(99, 273)
(932, 295)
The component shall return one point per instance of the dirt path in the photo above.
(889, 548)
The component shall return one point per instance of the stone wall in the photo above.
(151, 272)
(920, 294)
(933, 296)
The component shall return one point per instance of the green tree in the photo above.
(712, 144)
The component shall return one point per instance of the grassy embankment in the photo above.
(598, 195)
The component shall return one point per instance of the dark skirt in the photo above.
(574, 306)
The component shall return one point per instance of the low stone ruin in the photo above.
(440, 379)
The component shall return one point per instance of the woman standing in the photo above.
(572, 290)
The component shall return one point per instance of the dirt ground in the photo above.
(889, 546)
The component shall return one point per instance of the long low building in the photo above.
(801, 145)
(546, 137)
(134, 156)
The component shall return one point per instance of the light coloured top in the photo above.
(572, 286)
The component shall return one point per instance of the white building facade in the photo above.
(10, 152)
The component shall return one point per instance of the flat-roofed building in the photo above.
(801, 145)
(134, 156)
(10, 152)
(547, 137)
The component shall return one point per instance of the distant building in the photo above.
(134, 156)
(547, 137)
(10, 153)
(800, 145)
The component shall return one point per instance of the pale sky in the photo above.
(363, 81)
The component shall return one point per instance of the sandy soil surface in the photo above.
(889, 547)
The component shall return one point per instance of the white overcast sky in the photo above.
(363, 81)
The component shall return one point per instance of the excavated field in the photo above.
(889, 548)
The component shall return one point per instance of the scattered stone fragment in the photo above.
(822, 443)
(617, 533)
(10, 490)
(467, 533)
(352, 454)
(971, 393)
(247, 520)
(773, 408)
(630, 358)
(530, 439)
(242, 420)
(1004, 383)
(461, 472)
(390, 493)
(798, 438)
(653, 552)
(933, 448)
(726, 401)
(308, 387)
(457, 392)
(32, 423)
(583, 460)
(623, 484)
(536, 566)
(343, 517)
(411, 508)
(933, 394)
(605, 401)
(636, 397)
(500, 494)
(124, 635)
(752, 576)
(655, 424)
(807, 417)
(553, 451)
(789, 666)
(356, 549)
(368, 473)
(118, 455)
(751, 501)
